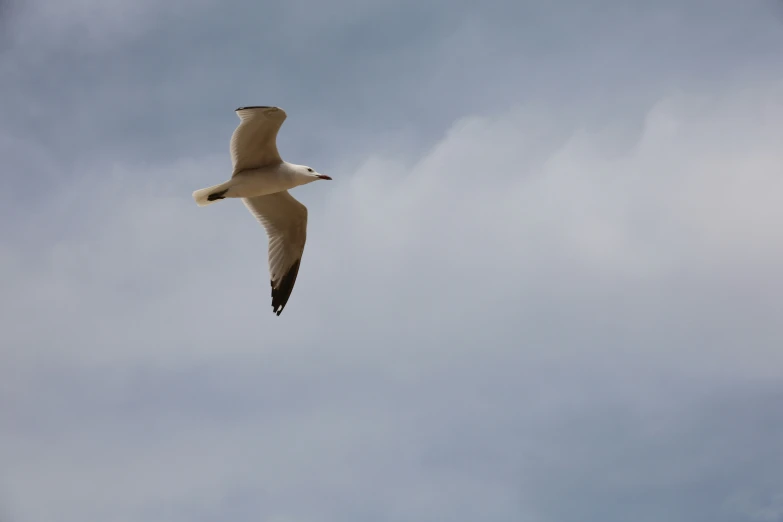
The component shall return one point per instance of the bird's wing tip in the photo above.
(255, 107)
(282, 292)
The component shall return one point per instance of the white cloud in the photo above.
(455, 322)
(493, 214)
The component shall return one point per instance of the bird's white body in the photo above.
(251, 183)
(261, 179)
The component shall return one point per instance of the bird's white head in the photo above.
(305, 174)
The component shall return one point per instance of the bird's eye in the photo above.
(309, 170)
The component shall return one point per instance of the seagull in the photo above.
(262, 180)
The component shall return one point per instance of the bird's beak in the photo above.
(324, 176)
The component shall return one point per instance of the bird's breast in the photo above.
(260, 182)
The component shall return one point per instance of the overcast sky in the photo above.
(545, 284)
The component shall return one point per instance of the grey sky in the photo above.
(544, 285)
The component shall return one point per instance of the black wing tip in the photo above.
(256, 107)
(281, 294)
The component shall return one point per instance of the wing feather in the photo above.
(254, 141)
(285, 221)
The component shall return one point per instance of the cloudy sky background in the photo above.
(544, 286)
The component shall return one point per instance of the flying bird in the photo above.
(262, 180)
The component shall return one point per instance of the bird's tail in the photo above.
(209, 195)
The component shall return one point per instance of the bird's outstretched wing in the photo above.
(254, 142)
(285, 221)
